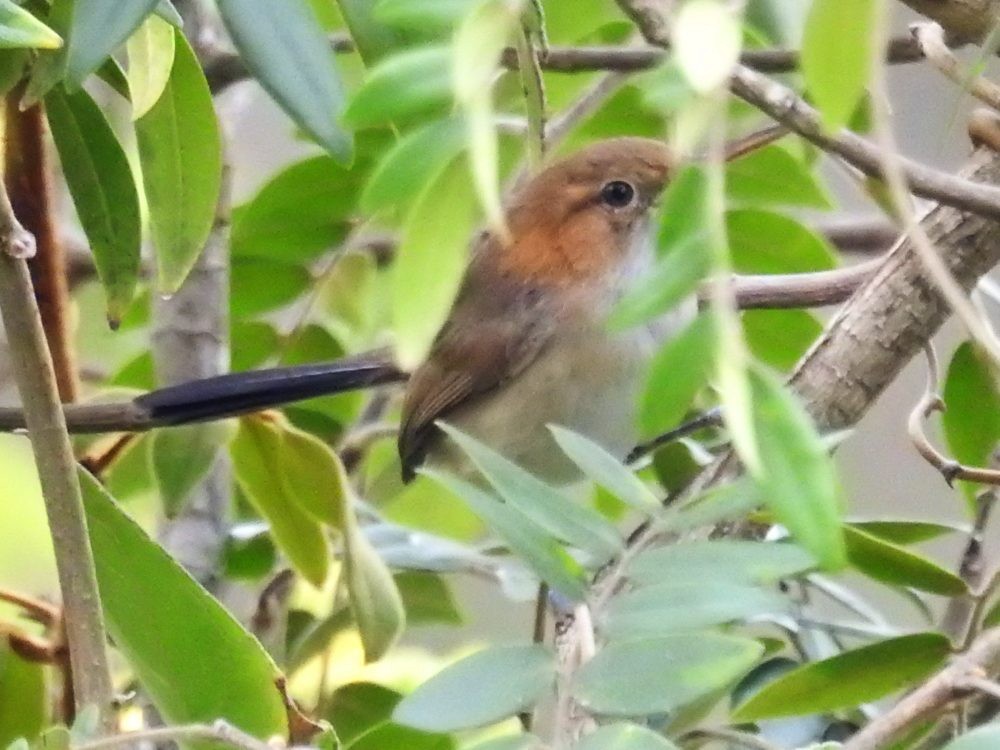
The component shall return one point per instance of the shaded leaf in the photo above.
(410, 83)
(24, 703)
(730, 560)
(429, 14)
(490, 685)
(427, 599)
(20, 29)
(103, 190)
(849, 679)
(779, 338)
(99, 28)
(314, 477)
(624, 736)
(258, 285)
(181, 457)
(284, 46)
(655, 675)
(898, 566)
(150, 60)
(181, 154)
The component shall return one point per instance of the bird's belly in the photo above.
(587, 380)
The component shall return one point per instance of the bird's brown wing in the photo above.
(493, 333)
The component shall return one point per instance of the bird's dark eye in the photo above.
(617, 194)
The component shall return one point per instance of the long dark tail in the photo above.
(242, 392)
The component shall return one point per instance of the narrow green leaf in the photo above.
(838, 51)
(730, 500)
(150, 60)
(798, 480)
(256, 451)
(545, 556)
(20, 29)
(624, 736)
(678, 372)
(99, 28)
(181, 457)
(430, 261)
(897, 531)
(657, 610)
(103, 190)
(981, 738)
(605, 469)
(772, 175)
(656, 675)
(897, 566)
(49, 67)
(486, 687)
(972, 420)
(24, 703)
(314, 477)
(849, 679)
(410, 83)
(284, 46)
(729, 560)
(550, 509)
(181, 154)
(195, 639)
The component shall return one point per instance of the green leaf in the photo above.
(486, 687)
(150, 61)
(896, 531)
(181, 154)
(375, 600)
(655, 675)
(314, 477)
(166, 11)
(255, 452)
(624, 736)
(511, 742)
(195, 639)
(730, 500)
(772, 175)
(729, 560)
(181, 457)
(849, 679)
(99, 28)
(428, 599)
(258, 286)
(373, 38)
(410, 83)
(896, 566)
(768, 242)
(357, 707)
(24, 703)
(285, 48)
(431, 261)
(779, 338)
(605, 469)
(20, 29)
(103, 190)
(677, 373)
(49, 67)
(838, 51)
(553, 511)
(799, 482)
(972, 420)
(981, 738)
(413, 163)
(701, 603)
(545, 556)
(12, 69)
(422, 14)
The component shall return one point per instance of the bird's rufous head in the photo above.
(578, 217)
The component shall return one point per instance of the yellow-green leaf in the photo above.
(150, 61)
(19, 29)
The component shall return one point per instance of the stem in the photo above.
(33, 372)
(219, 731)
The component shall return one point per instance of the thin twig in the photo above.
(961, 617)
(864, 235)
(41, 612)
(931, 38)
(709, 418)
(33, 371)
(219, 731)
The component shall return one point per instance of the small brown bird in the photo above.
(527, 342)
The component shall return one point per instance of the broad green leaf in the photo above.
(12, 68)
(731, 500)
(902, 532)
(768, 242)
(553, 511)
(422, 14)
(981, 738)
(685, 255)
(314, 477)
(706, 42)
(772, 175)
(838, 51)
(849, 679)
(20, 29)
(103, 190)
(605, 469)
(897, 566)
(256, 451)
(410, 83)
(392, 735)
(49, 67)
(181, 154)
(624, 736)
(357, 707)
(798, 477)
(677, 373)
(24, 701)
(99, 28)
(656, 610)
(972, 419)
(181, 457)
(248, 552)
(373, 38)
(484, 688)
(285, 48)
(258, 285)
(375, 600)
(545, 556)
(150, 60)
(414, 162)
(779, 338)
(427, 599)
(511, 742)
(430, 261)
(656, 675)
(729, 560)
(195, 640)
